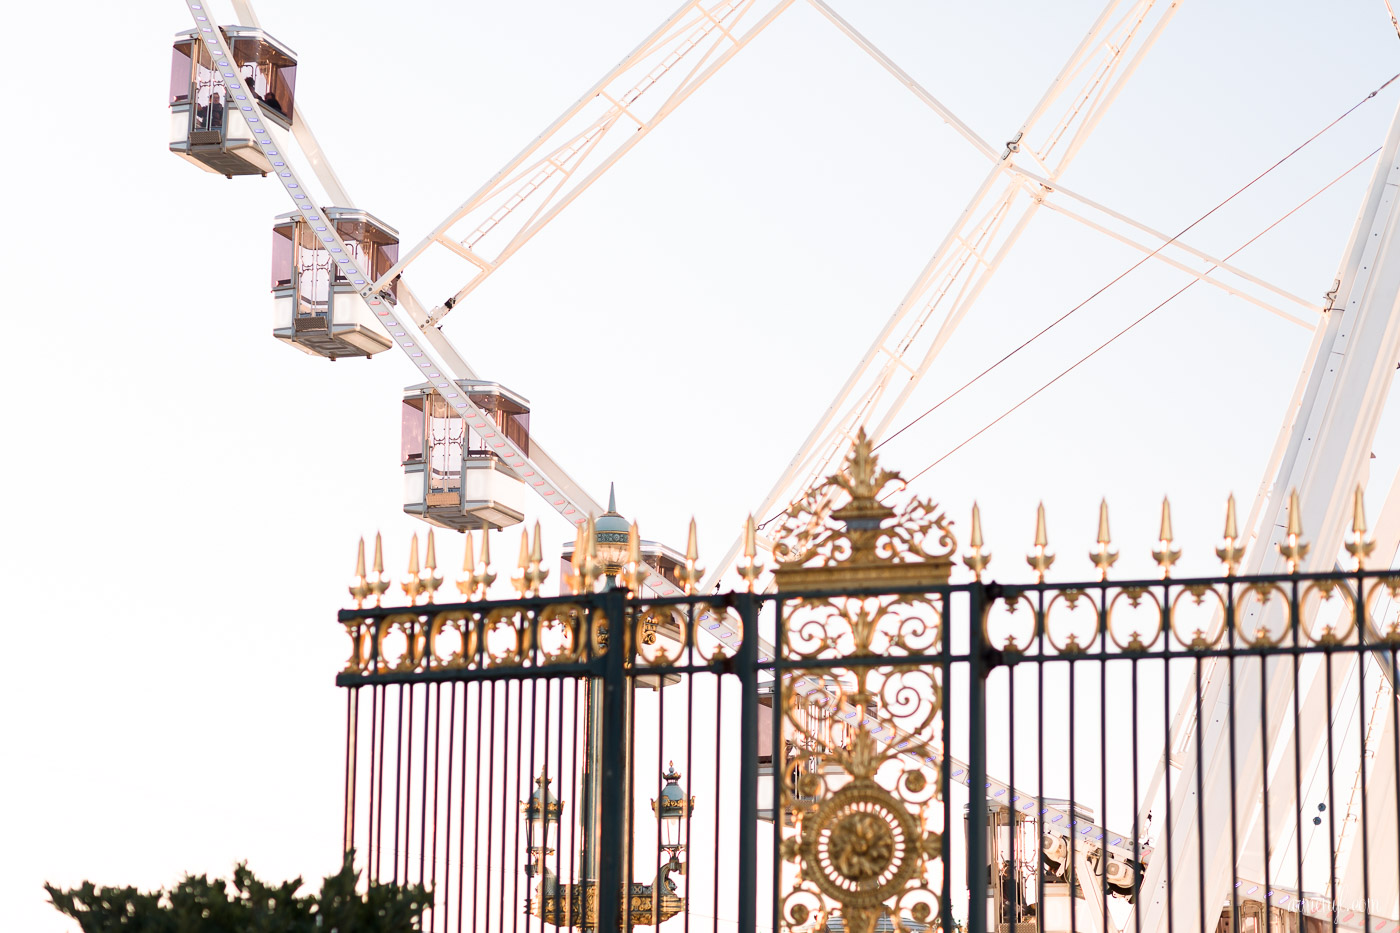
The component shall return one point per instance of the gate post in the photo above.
(976, 761)
(747, 604)
(614, 835)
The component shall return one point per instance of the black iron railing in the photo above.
(1196, 754)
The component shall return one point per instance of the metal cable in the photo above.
(1136, 265)
(1144, 317)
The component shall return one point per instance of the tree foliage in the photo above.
(246, 905)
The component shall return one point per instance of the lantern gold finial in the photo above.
(379, 586)
(1293, 549)
(635, 572)
(751, 568)
(1164, 554)
(978, 560)
(1359, 547)
(412, 585)
(1231, 553)
(691, 573)
(360, 590)
(467, 585)
(1102, 556)
(1040, 559)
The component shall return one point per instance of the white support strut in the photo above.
(1323, 452)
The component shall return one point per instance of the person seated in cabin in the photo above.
(211, 115)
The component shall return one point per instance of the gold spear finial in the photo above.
(1164, 554)
(635, 572)
(467, 585)
(1294, 549)
(537, 573)
(588, 570)
(750, 569)
(1231, 553)
(360, 590)
(485, 578)
(412, 586)
(431, 581)
(519, 576)
(573, 580)
(978, 560)
(1358, 547)
(379, 586)
(1102, 556)
(1040, 559)
(692, 572)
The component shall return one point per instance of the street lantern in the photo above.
(541, 823)
(672, 808)
(612, 537)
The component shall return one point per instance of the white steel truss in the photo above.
(972, 251)
(1323, 452)
(590, 136)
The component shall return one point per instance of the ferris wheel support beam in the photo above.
(986, 230)
(1326, 442)
(982, 146)
(588, 137)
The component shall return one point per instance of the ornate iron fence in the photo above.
(877, 747)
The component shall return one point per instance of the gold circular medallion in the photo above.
(861, 845)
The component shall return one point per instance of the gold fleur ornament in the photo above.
(862, 543)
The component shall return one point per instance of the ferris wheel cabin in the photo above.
(212, 121)
(316, 303)
(453, 477)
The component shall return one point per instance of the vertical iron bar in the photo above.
(1200, 807)
(1298, 777)
(748, 762)
(945, 908)
(1103, 749)
(437, 771)
(447, 846)
(1331, 796)
(1040, 639)
(977, 766)
(1076, 884)
(398, 777)
(1361, 655)
(1230, 615)
(777, 760)
(1167, 786)
(1137, 797)
(612, 797)
(462, 812)
(348, 812)
(423, 793)
(1395, 750)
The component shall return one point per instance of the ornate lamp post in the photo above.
(541, 830)
(575, 904)
(672, 808)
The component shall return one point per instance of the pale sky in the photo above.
(178, 547)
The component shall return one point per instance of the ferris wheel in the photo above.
(341, 289)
